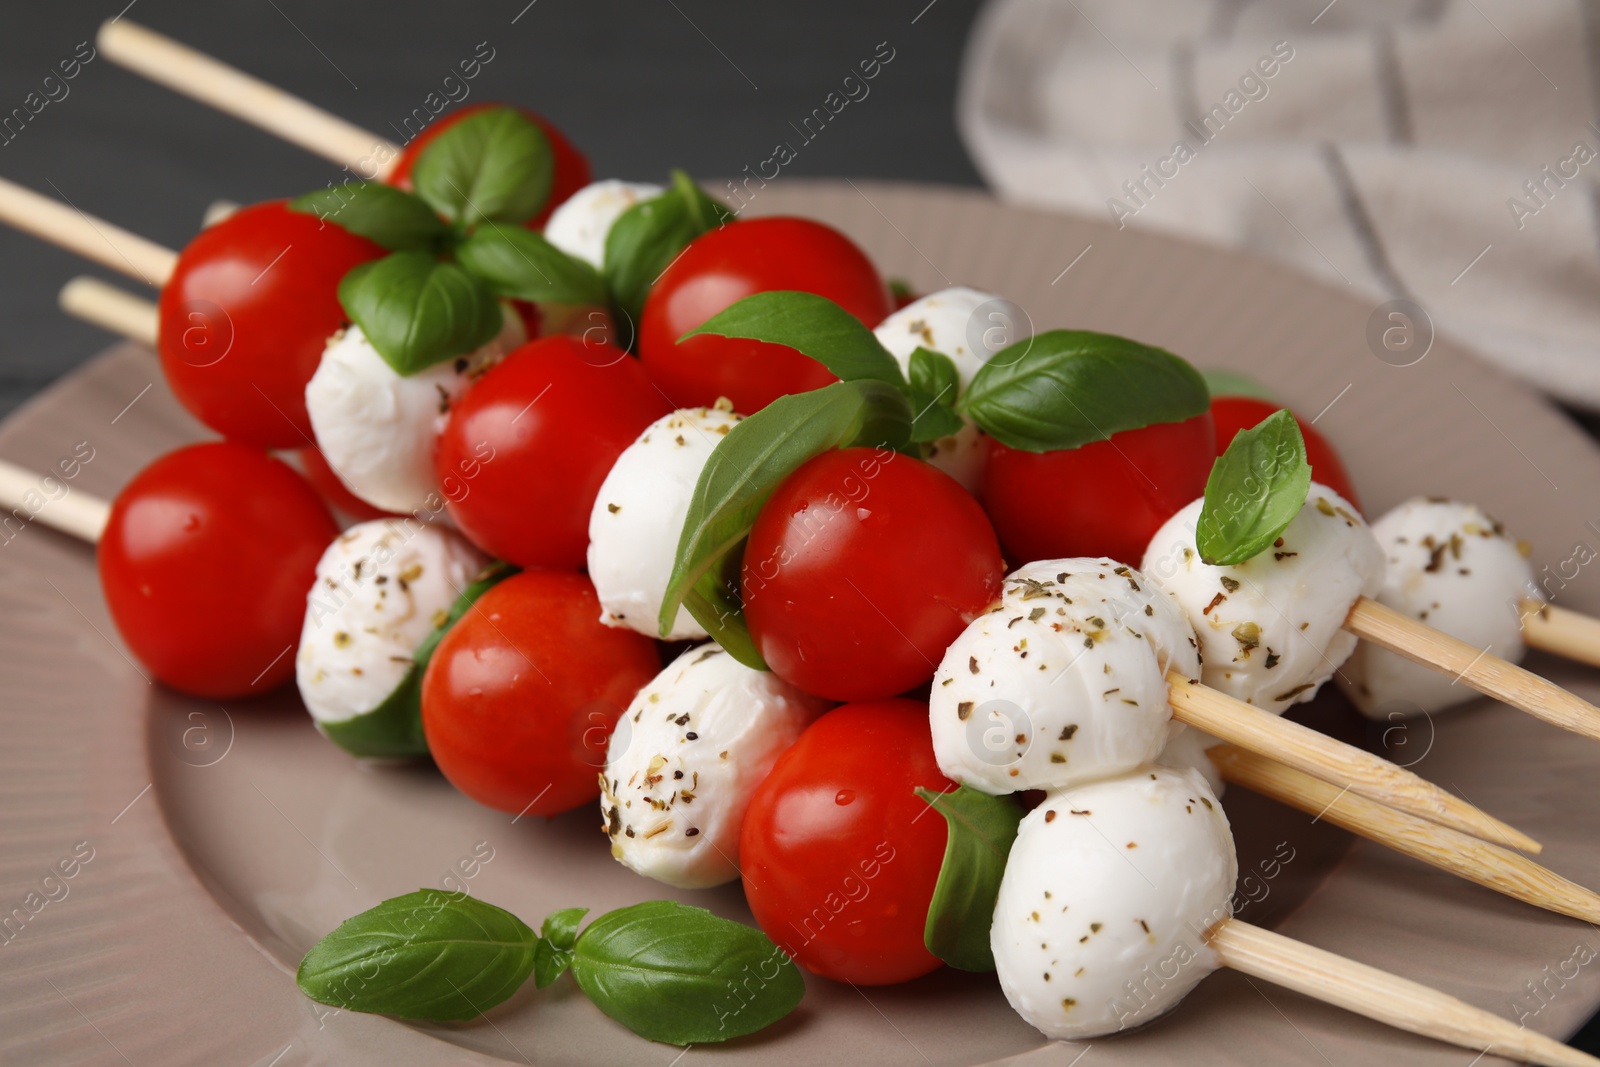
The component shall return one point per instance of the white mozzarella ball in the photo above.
(686, 757)
(1454, 568)
(580, 225)
(1062, 682)
(966, 325)
(1187, 751)
(377, 428)
(639, 514)
(1271, 628)
(382, 587)
(1106, 897)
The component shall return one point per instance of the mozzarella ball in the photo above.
(580, 225)
(639, 515)
(1107, 895)
(1271, 628)
(686, 757)
(1452, 567)
(966, 325)
(1187, 751)
(377, 428)
(382, 587)
(1062, 682)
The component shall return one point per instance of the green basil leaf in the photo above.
(1066, 388)
(561, 927)
(554, 954)
(425, 955)
(1255, 490)
(812, 325)
(516, 262)
(381, 213)
(417, 310)
(648, 236)
(934, 387)
(901, 290)
(979, 829)
(1220, 382)
(743, 471)
(673, 973)
(494, 165)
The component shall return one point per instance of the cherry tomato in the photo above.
(521, 695)
(1235, 413)
(571, 168)
(839, 855)
(206, 561)
(1102, 499)
(727, 265)
(532, 440)
(861, 569)
(245, 317)
(315, 466)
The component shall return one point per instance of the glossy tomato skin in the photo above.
(246, 315)
(532, 440)
(521, 695)
(839, 860)
(1235, 413)
(861, 569)
(571, 166)
(727, 265)
(1102, 499)
(206, 562)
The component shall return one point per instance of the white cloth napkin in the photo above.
(1441, 151)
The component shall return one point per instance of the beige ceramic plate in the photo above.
(211, 846)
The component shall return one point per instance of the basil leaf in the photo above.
(493, 165)
(554, 952)
(516, 262)
(378, 212)
(648, 236)
(1220, 382)
(1066, 388)
(673, 973)
(561, 927)
(934, 387)
(1255, 490)
(425, 955)
(417, 310)
(980, 829)
(812, 325)
(743, 471)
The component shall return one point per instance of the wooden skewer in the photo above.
(1333, 761)
(106, 244)
(111, 309)
(194, 74)
(77, 514)
(1382, 996)
(1421, 643)
(1449, 850)
(1561, 631)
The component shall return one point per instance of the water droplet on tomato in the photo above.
(844, 796)
(863, 514)
(191, 523)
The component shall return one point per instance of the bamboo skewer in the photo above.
(77, 514)
(110, 308)
(216, 84)
(1379, 995)
(104, 243)
(1334, 761)
(1442, 847)
(1560, 631)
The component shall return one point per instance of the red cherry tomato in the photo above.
(571, 168)
(839, 855)
(206, 561)
(1102, 499)
(1235, 413)
(727, 265)
(530, 443)
(332, 490)
(520, 697)
(246, 315)
(860, 571)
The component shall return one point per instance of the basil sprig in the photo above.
(516, 262)
(648, 236)
(979, 831)
(1255, 490)
(666, 971)
(814, 326)
(382, 214)
(493, 166)
(934, 386)
(418, 310)
(744, 470)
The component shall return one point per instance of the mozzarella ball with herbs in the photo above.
(685, 759)
(1107, 895)
(382, 588)
(1271, 628)
(1453, 567)
(377, 427)
(639, 514)
(966, 325)
(1064, 681)
(579, 227)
